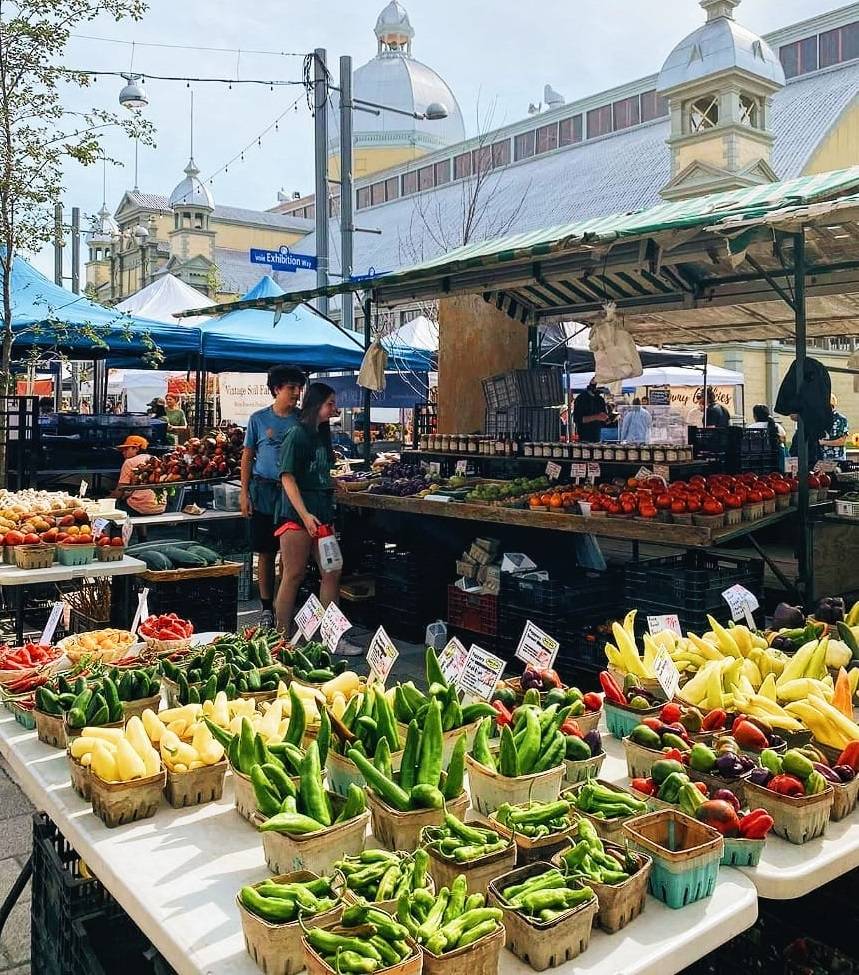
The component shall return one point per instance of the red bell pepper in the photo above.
(702, 788)
(653, 723)
(644, 785)
(714, 720)
(612, 689)
(786, 785)
(592, 701)
(749, 736)
(756, 824)
(670, 713)
(503, 716)
(570, 728)
(675, 755)
(850, 756)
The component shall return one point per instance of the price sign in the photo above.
(578, 471)
(435, 468)
(643, 473)
(83, 489)
(826, 466)
(438, 497)
(334, 624)
(742, 603)
(452, 660)
(127, 531)
(461, 467)
(593, 471)
(663, 471)
(51, 625)
(791, 465)
(309, 617)
(666, 672)
(656, 624)
(381, 655)
(481, 673)
(142, 611)
(536, 647)
(553, 470)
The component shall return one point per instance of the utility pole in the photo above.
(58, 244)
(347, 231)
(76, 250)
(320, 114)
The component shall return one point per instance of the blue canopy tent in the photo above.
(401, 392)
(48, 316)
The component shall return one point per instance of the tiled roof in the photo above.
(238, 275)
(260, 218)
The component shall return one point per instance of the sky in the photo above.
(496, 58)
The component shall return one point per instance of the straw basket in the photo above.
(136, 708)
(531, 849)
(314, 851)
(388, 906)
(449, 739)
(50, 728)
(489, 789)
(740, 852)
(620, 720)
(80, 777)
(316, 965)
(734, 516)
(640, 760)
(796, 819)
(118, 803)
(618, 903)
(539, 944)
(276, 948)
(713, 782)
(343, 772)
(581, 771)
(397, 830)
(196, 786)
(166, 647)
(607, 829)
(479, 958)
(685, 855)
(39, 556)
(845, 800)
(478, 873)
(72, 733)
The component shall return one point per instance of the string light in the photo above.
(86, 73)
(190, 47)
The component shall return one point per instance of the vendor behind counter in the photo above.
(144, 501)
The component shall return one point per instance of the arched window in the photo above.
(704, 114)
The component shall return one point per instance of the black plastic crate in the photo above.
(211, 603)
(531, 423)
(524, 387)
(474, 611)
(103, 946)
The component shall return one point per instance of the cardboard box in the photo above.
(491, 545)
(467, 568)
(480, 555)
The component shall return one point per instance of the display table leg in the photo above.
(17, 889)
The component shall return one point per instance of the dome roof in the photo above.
(192, 191)
(394, 18)
(104, 227)
(720, 45)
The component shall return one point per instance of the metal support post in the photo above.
(804, 582)
(58, 244)
(347, 231)
(320, 129)
(368, 338)
(76, 250)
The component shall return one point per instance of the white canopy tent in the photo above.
(164, 298)
(668, 376)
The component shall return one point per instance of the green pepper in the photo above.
(576, 749)
(266, 794)
(297, 718)
(313, 796)
(286, 822)
(388, 790)
(273, 909)
(455, 770)
(815, 783)
(772, 761)
(434, 918)
(382, 758)
(669, 791)
(480, 749)
(690, 799)
(665, 767)
(279, 780)
(430, 763)
(646, 737)
(354, 805)
(539, 813)
(553, 755)
(508, 760)
(702, 758)
(528, 751)
(796, 764)
(455, 929)
(246, 755)
(328, 943)
(323, 737)
(411, 754)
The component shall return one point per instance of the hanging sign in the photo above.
(309, 617)
(791, 465)
(381, 655)
(536, 647)
(643, 474)
(481, 672)
(452, 659)
(593, 471)
(282, 259)
(83, 488)
(461, 467)
(579, 471)
(656, 624)
(51, 626)
(333, 625)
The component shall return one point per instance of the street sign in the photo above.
(282, 259)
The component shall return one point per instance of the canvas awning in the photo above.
(668, 376)
(163, 298)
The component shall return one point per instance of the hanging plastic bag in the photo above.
(615, 354)
(372, 372)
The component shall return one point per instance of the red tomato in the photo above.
(755, 497)
(663, 501)
(713, 507)
(678, 506)
(647, 511)
(824, 479)
(693, 503)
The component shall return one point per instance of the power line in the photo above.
(146, 76)
(191, 47)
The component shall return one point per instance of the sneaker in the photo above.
(266, 619)
(347, 649)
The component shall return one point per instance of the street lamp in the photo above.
(141, 235)
(133, 95)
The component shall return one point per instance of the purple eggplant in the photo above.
(729, 766)
(776, 741)
(829, 774)
(760, 776)
(593, 739)
(844, 773)
(746, 763)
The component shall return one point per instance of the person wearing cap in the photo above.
(144, 501)
(590, 413)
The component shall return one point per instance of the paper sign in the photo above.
(656, 624)
(578, 471)
(536, 647)
(83, 489)
(663, 471)
(51, 625)
(593, 471)
(334, 624)
(438, 497)
(435, 468)
(553, 470)
(308, 618)
(826, 466)
(791, 465)
(666, 672)
(452, 659)
(643, 473)
(142, 612)
(461, 467)
(742, 603)
(381, 655)
(127, 530)
(98, 526)
(481, 673)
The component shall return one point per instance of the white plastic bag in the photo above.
(615, 354)
(372, 372)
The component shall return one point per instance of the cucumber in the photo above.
(182, 558)
(210, 557)
(157, 561)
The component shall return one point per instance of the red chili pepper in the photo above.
(756, 824)
(570, 728)
(503, 717)
(850, 756)
(670, 713)
(702, 788)
(714, 720)
(674, 755)
(786, 785)
(592, 701)
(653, 723)
(612, 689)
(644, 785)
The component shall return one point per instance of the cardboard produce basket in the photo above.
(620, 720)
(740, 852)
(397, 830)
(479, 958)
(640, 760)
(685, 854)
(531, 849)
(196, 786)
(50, 728)
(314, 851)
(343, 772)
(490, 789)
(448, 738)
(316, 965)
(80, 777)
(845, 799)
(582, 770)
(478, 873)
(243, 795)
(795, 819)
(607, 829)
(540, 944)
(118, 803)
(619, 903)
(136, 708)
(276, 948)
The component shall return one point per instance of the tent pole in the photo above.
(568, 399)
(804, 582)
(706, 363)
(368, 336)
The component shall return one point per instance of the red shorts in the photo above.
(289, 526)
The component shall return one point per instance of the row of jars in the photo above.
(512, 445)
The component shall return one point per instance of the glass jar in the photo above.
(633, 454)
(608, 452)
(471, 445)
(527, 449)
(620, 453)
(558, 451)
(659, 454)
(671, 455)
(424, 442)
(596, 452)
(645, 453)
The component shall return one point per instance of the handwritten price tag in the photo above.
(666, 673)
(481, 673)
(579, 471)
(333, 625)
(461, 467)
(83, 489)
(791, 465)
(435, 468)
(309, 617)
(656, 624)
(51, 625)
(142, 612)
(536, 647)
(742, 603)
(381, 655)
(553, 470)
(452, 660)
(643, 473)
(593, 471)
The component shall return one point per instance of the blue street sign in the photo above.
(282, 259)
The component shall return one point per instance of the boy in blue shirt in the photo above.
(261, 488)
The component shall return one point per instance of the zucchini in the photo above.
(210, 557)
(182, 558)
(157, 561)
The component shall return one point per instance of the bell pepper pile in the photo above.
(590, 860)
(669, 782)
(167, 626)
(753, 735)
(535, 819)
(653, 733)
(579, 747)
(420, 783)
(603, 801)
(369, 717)
(410, 704)
(692, 719)
(547, 895)
(463, 842)
(799, 772)
(306, 808)
(724, 761)
(631, 695)
(533, 742)
(378, 875)
(723, 813)
(27, 657)
(281, 903)
(84, 704)
(365, 941)
(312, 662)
(450, 920)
